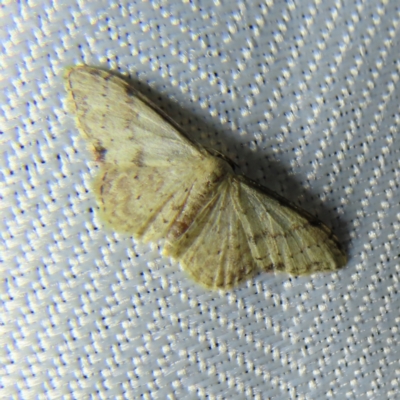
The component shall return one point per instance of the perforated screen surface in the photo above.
(304, 97)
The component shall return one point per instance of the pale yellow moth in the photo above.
(154, 183)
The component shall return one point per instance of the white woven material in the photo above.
(304, 95)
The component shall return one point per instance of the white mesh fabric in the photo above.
(304, 97)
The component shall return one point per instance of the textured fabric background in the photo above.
(304, 95)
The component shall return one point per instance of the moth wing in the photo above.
(215, 251)
(148, 168)
(122, 125)
(144, 202)
(282, 237)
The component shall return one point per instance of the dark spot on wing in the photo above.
(100, 152)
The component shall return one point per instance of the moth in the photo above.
(155, 183)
